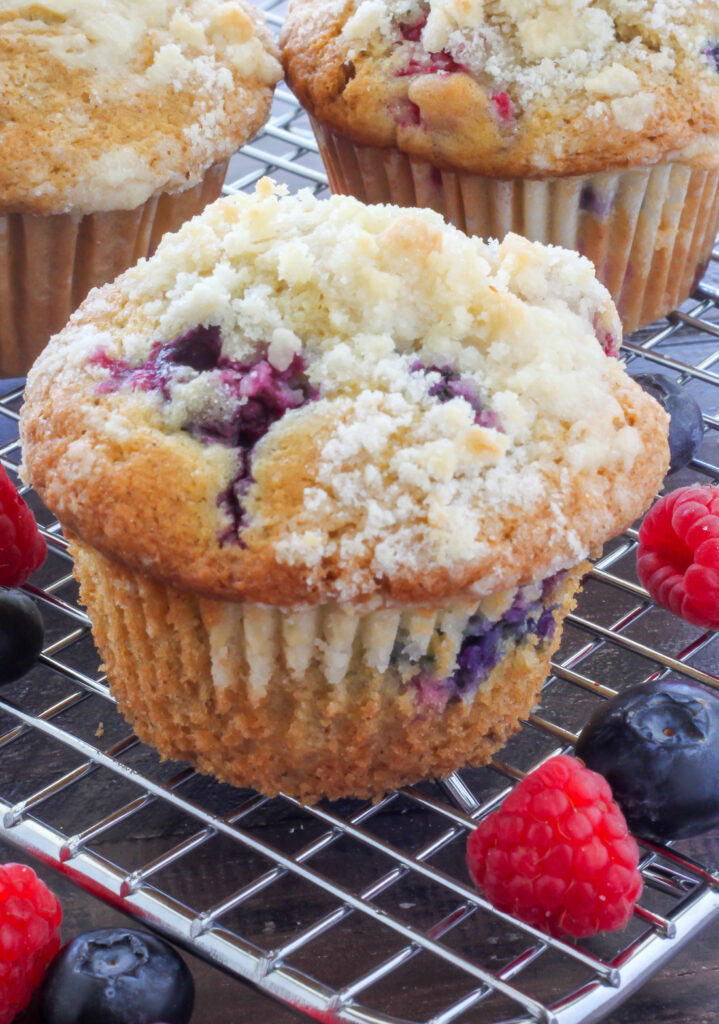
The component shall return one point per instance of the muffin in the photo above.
(116, 124)
(330, 473)
(591, 124)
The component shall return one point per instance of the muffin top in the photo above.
(513, 87)
(103, 102)
(297, 400)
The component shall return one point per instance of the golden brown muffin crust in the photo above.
(85, 126)
(374, 489)
(539, 106)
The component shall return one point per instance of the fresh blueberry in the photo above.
(686, 427)
(21, 634)
(657, 745)
(117, 976)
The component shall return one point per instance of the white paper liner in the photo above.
(48, 264)
(222, 686)
(332, 642)
(649, 231)
(335, 639)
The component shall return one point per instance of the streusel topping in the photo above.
(606, 48)
(513, 87)
(105, 101)
(372, 386)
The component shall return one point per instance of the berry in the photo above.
(21, 634)
(557, 853)
(29, 936)
(22, 549)
(413, 30)
(503, 106)
(658, 747)
(117, 976)
(678, 554)
(712, 54)
(686, 426)
(262, 395)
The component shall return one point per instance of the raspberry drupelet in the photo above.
(678, 555)
(558, 853)
(22, 548)
(29, 936)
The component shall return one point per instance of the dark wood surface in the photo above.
(685, 992)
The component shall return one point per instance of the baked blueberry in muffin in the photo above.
(330, 474)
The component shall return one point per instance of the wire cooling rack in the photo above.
(356, 911)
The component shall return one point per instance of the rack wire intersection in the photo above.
(292, 892)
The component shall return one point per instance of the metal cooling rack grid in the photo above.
(292, 892)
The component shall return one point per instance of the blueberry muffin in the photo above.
(116, 125)
(591, 124)
(330, 474)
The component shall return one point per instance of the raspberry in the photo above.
(22, 549)
(678, 556)
(29, 936)
(504, 108)
(557, 854)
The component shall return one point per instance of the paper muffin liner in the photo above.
(49, 263)
(648, 231)
(308, 702)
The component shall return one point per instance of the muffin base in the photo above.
(299, 735)
(48, 264)
(649, 231)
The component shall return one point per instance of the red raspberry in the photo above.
(29, 936)
(678, 556)
(22, 549)
(557, 854)
(503, 106)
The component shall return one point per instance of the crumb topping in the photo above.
(133, 45)
(446, 379)
(539, 50)
(107, 100)
(513, 88)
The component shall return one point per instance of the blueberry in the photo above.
(686, 428)
(117, 976)
(712, 54)
(21, 634)
(199, 348)
(657, 745)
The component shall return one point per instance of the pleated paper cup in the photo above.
(48, 263)
(311, 702)
(649, 231)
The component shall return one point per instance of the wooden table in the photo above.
(685, 992)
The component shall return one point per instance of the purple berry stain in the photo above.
(263, 395)
(199, 349)
(592, 202)
(452, 384)
(485, 643)
(712, 54)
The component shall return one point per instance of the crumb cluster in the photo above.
(448, 382)
(102, 103)
(510, 88)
